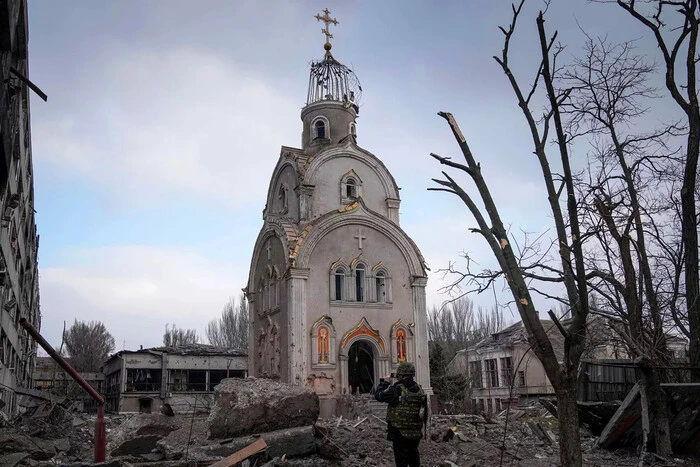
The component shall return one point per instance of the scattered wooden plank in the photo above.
(241, 455)
(359, 423)
(339, 420)
(379, 419)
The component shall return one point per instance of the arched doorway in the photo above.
(361, 367)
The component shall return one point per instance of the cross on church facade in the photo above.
(359, 238)
(326, 18)
(269, 251)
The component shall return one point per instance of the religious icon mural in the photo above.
(401, 344)
(323, 344)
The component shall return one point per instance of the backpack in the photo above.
(410, 415)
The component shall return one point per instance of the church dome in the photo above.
(330, 80)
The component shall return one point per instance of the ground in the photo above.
(182, 440)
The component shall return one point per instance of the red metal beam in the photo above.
(100, 433)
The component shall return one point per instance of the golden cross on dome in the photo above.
(326, 18)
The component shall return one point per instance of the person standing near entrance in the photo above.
(405, 415)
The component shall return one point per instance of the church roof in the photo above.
(329, 79)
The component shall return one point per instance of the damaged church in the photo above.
(336, 287)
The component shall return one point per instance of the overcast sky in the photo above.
(164, 121)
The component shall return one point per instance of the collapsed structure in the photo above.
(182, 377)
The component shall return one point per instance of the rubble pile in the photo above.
(258, 423)
(251, 405)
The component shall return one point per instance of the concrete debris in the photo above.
(10, 460)
(625, 427)
(254, 405)
(358, 440)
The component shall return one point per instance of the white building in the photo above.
(336, 287)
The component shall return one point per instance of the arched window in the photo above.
(339, 279)
(320, 128)
(353, 129)
(351, 188)
(360, 282)
(380, 285)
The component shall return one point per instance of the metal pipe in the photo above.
(100, 432)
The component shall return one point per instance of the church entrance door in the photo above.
(361, 367)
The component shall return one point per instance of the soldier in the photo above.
(405, 415)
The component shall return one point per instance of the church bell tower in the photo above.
(332, 102)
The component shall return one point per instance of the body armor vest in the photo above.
(409, 416)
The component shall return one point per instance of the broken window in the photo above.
(380, 282)
(477, 380)
(339, 280)
(351, 188)
(215, 377)
(197, 380)
(188, 380)
(521, 379)
(320, 129)
(360, 282)
(142, 380)
(492, 373)
(506, 371)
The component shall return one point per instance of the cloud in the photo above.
(136, 290)
(181, 122)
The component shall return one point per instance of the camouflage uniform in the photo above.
(404, 427)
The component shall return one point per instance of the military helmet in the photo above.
(406, 369)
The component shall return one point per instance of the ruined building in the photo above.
(183, 377)
(19, 242)
(336, 287)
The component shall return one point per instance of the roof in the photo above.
(516, 334)
(187, 349)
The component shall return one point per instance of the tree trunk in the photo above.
(658, 407)
(569, 436)
(690, 241)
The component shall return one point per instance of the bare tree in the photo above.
(609, 85)
(456, 325)
(231, 329)
(681, 82)
(88, 344)
(175, 336)
(571, 271)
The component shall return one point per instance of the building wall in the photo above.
(491, 398)
(19, 290)
(376, 248)
(326, 178)
(268, 340)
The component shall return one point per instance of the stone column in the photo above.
(420, 340)
(344, 383)
(251, 363)
(383, 367)
(296, 330)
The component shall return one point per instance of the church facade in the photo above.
(336, 288)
